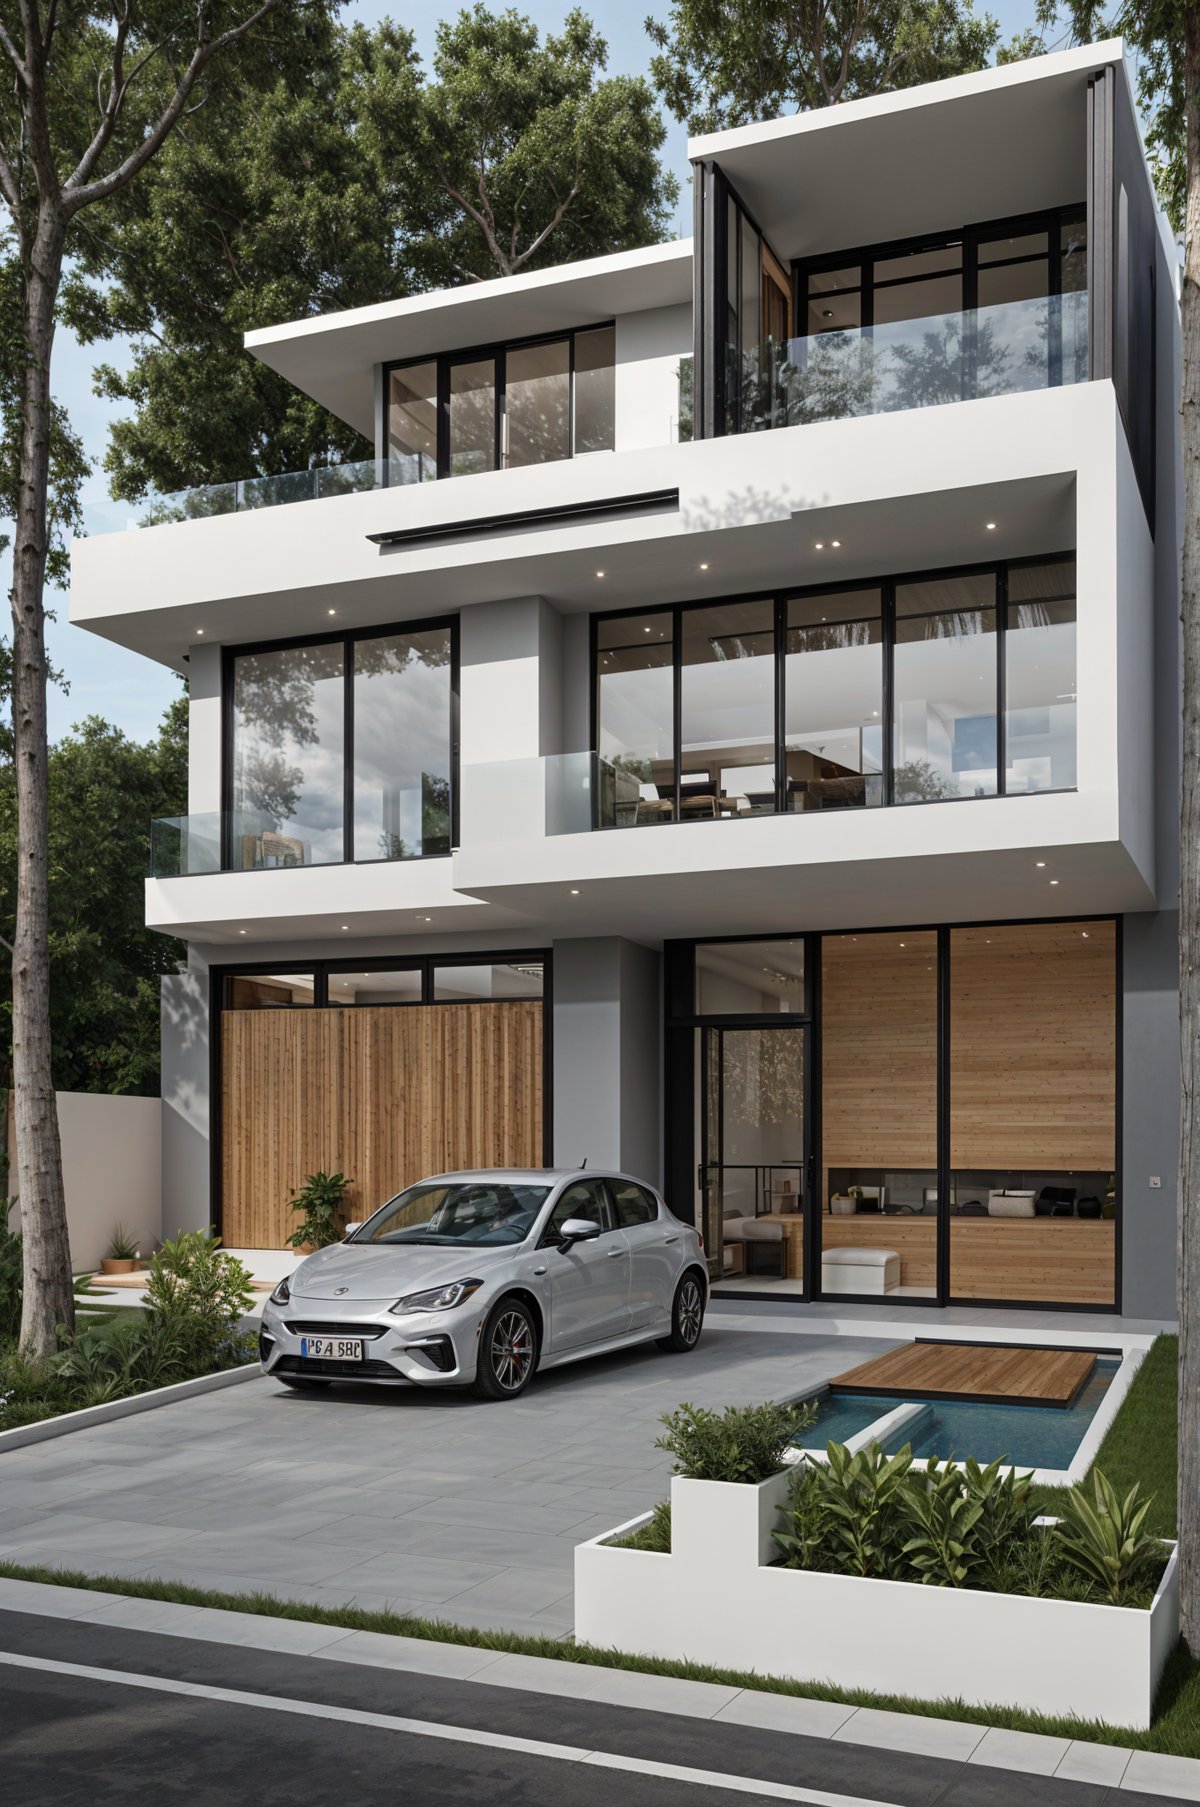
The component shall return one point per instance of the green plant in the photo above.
(743, 1443)
(10, 1276)
(123, 1245)
(197, 1293)
(319, 1202)
(1104, 1539)
(865, 1499)
(945, 1546)
(805, 1542)
(654, 1535)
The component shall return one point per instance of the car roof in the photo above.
(534, 1176)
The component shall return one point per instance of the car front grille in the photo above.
(367, 1331)
(319, 1369)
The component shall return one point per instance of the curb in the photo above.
(24, 1434)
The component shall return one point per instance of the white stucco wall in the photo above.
(649, 347)
(112, 1171)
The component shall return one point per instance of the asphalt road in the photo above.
(96, 1714)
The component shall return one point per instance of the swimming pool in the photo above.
(1027, 1436)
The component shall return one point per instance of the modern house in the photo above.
(728, 728)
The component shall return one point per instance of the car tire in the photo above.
(508, 1351)
(301, 1381)
(687, 1317)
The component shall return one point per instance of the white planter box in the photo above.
(715, 1600)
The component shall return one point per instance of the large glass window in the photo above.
(727, 710)
(945, 689)
(833, 700)
(287, 755)
(484, 981)
(531, 402)
(402, 779)
(292, 710)
(635, 718)
(1039, 715)
(750, 978)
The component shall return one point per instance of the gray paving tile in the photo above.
(785, 1713)
(911, 1732)
(1175, 1778)
(52, 1602)
(420, 1655)
(1103, 1763)
(1029, 1752)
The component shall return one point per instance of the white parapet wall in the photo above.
(716, 1599)
(112, 1171)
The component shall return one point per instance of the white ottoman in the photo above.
(860, 1271)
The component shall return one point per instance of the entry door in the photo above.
(755, 1153)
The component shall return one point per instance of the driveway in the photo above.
(434, 1504)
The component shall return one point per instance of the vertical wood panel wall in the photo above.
(879, 1051)
(384, 1095)
(1033, 1047)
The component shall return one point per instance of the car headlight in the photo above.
(282, 1293)
(441, 1298)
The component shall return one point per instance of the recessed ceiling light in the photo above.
(990, 525)
(835, 542)
(574, 894)
(199, 630)
(1084, 933)
(1053, 881)
(645, 630)
(333, 611)
(820, 545)
(704, 567)
(345, 926)
(241, 931)
(599, 574)
(1041, 863)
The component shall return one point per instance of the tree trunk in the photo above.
(48, 1298)
(1189, 899)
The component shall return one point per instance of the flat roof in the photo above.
(331, 356)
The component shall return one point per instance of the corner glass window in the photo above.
(267, 991)
(412, 423)
(833, 700)
(287, 757)
(1040, 699)
(595, 390)
(486, 982)
(945, 689)
(635, 719)
(537, 389)
(750, 978)
(402, 747)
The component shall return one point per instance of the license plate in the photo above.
(332, 1348)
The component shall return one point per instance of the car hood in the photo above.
(349, 1270)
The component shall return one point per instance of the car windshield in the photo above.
(484, 1213)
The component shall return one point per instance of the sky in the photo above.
(132, 692)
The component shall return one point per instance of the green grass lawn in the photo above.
(1141, 1444)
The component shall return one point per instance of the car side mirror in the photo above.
(577, 1229)
(350, 1229)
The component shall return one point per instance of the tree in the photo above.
(329, 191)
(105, 965)
(95, 90)
(724, 62)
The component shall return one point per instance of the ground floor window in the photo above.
(924, 1114)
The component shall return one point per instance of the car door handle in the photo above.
(539, 1270)
(670, 1239)
(615, 1254)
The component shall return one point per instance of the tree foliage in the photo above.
(105, 966)
(724, 62)
(348, 178)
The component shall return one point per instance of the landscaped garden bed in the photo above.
(867, 1573)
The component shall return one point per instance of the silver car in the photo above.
(482, 1278)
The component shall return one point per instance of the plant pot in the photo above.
(117, 1264)
(300, 1249)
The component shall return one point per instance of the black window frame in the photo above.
(322, 970)
(497, 350)
(887, 587)
(347, 639)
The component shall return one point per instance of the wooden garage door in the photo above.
(384, 1095)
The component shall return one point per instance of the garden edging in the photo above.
(1060, 1658)
(22, 1435)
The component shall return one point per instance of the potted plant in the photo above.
(123, 1252)
(319, 1204)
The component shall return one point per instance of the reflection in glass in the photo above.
(595, 390)
(412, 423)
(945, 689)
(287, 757)
(635, 719)
(537, 387)
(750, 978)
(472, 417)
(755, 1146)
(402, 738)
(833, 701)
(1039, 652)
(483, 982)
(727, 706)
(267, 991)
(393, 985)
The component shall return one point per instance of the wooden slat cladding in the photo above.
(1046, 1260)
(879, 1051)
(1033, 1047)
(385, 1095)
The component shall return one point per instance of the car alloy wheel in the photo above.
(511, 1350)
(691, 1311)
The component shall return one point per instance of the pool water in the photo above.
(1028, 1436)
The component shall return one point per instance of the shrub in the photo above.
(654, 1535)
(1102, 1538)
(743, 1443)
(196, 1296)
(320, 1202)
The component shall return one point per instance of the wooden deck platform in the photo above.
(979, 1371)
